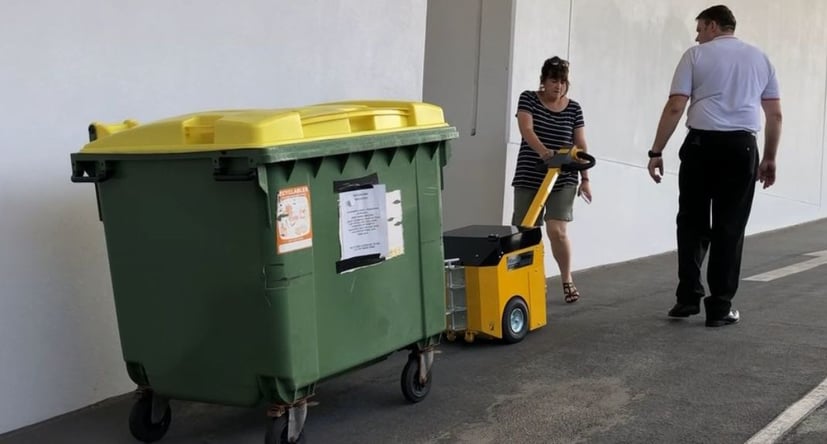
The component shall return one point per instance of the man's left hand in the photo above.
(766, 172)
(656, 168)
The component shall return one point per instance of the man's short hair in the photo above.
(719, 14)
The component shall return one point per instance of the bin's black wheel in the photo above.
(140, 421)
(273, 437)
(515, 321)
(414, 390)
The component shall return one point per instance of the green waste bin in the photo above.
(255, 253)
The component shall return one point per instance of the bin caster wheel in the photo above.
(141, 423)
(271, 437)
(469, 337)
(515, 321)
(413, 389)
(451, 336)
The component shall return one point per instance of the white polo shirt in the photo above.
(726, 80)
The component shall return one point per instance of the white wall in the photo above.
(65, 64)
(467, 60)
(623, 85)
(623, 54)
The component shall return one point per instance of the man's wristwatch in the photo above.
(653, 154)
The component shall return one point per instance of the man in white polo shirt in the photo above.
(728, 82)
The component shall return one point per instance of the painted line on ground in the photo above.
(819, 258)
(784, 422)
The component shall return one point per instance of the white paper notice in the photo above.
(396, 240)
(363, 227)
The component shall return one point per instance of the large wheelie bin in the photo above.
(255, 253)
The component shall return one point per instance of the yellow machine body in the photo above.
(489, 266)
(488, 290)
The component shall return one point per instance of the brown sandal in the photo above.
(572, 295)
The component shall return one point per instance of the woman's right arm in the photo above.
(526, 124)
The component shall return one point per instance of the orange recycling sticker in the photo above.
(294, 229)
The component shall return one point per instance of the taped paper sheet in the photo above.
(363, 227)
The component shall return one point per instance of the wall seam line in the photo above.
(823, 140)
(568, 43)
(478, 69)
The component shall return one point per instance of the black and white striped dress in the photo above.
(555, 130)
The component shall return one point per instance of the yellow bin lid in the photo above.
(263, 128)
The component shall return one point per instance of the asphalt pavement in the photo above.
(612, 368)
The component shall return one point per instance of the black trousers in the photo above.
(717, 183)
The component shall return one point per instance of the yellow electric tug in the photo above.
(495, 276)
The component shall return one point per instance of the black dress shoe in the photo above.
(684, 310)
(731, 318)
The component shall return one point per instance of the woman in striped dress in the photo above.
(548, 121)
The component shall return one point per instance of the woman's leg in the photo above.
(560, 247)
(558, 216)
